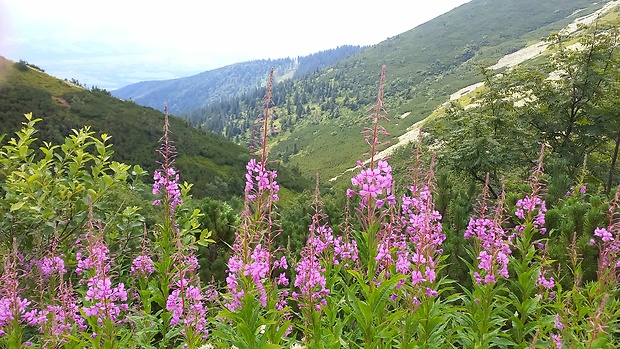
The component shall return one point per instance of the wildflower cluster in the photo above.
(423, 232)
(531, 211)
(13, 307)
(310, 280)
(257, 269)
(168, 180)
(57, 320)
(374, 184)
(51, 265)
(253, 261)
(493, 258)
(259, 181)
(187, 301)
(532, 205)
(492, 241)
(103, 301)
(106, 301)
(345, 251)
(142, 266)
(321, 249)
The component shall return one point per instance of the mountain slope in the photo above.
(196, 91)
(214, 164)
(324, 112)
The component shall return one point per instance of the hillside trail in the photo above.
(508, 61)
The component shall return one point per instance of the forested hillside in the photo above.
(189, 93)
(425, 65)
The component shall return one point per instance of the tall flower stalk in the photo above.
(534, 283)
(492, 242)
(398, 250)
(483, 316)
(376, 211)
(187, 302)
(15, 309)
(422, 237)
(316, 274)
(104, 303)
(167, 238)
(167, 178)
(59, 317)
(256, 277)
(374, 183)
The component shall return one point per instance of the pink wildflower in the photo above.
(374, 184)
(603, 234)
(142, 266)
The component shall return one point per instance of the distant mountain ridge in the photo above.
(193, 92)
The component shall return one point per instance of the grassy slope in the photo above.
(135, 130)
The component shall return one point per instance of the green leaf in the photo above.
(16, 206)
(503, 342)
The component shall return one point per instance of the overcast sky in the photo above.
(111, 43)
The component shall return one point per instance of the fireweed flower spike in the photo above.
(532, 208)
(187, 301)
(374, 183)
(167, 178)
(15, 310)
(142, 266)
(423, 230)
(59, 314)
(253, 261)
(103, 301)
(493, 243)
(318, 252)
(58, 319)
(377, 205)
(317, 260)
(530, 215)
(608, 241)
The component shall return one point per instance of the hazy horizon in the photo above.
(116, 43)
